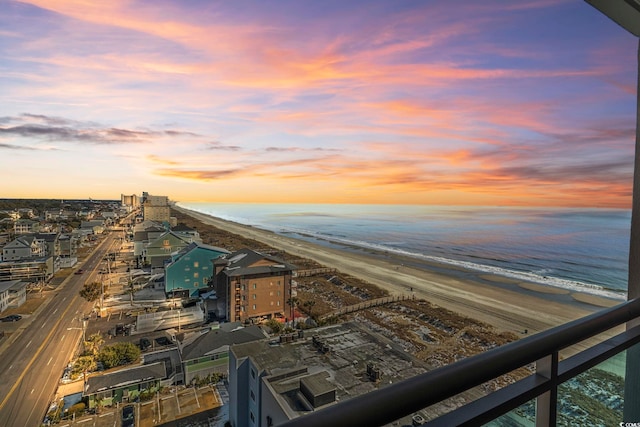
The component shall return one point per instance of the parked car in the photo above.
(11, 318)
(144, 344)
(128, 416)
(163, 341)
(80, 271)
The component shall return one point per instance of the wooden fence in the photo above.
(315, 272)
(366, 304)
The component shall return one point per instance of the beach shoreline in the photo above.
(505, 303)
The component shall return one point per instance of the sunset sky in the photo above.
(472, 102)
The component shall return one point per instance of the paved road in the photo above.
(31, 366)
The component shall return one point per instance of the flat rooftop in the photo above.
(348, 357)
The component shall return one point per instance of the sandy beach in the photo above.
(505, 303)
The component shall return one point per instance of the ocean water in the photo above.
(582, 250)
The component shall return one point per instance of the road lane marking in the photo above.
(37, 353)
(50, 359)
(54, 311)
(28, 344)
(42, 325)
(62, 339)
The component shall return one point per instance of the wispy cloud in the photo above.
(60, 129)
(383, 100)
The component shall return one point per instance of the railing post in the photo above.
(547, 403)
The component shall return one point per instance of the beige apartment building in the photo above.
(156, 208)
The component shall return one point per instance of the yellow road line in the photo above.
(25, 370)
(45, 342)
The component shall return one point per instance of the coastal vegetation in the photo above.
(431, 333)
(91, 291)
(118, 354)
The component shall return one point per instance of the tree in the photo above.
(83, 365)
(293, 302)
(93, 343)
(274, 325)
(309, 305)
(91, 291)
(119, 354)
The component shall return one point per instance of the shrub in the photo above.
(77, 409)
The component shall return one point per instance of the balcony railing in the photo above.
(405, 398)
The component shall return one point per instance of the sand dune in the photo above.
(506, 304)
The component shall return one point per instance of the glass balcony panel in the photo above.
(595, 397)
(523, 416)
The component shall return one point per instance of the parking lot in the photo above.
(177, 403)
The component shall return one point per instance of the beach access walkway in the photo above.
(365, 304)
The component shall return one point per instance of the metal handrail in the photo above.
(404, 398)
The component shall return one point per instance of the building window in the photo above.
(196, 264)
(254, 306)
(253, 374)
(195, 275)
(278, 303)
(278, 293)
(255, 296)
(255, 286)
(253, 419)
(195, 284)
(271, 293)
(253, 396)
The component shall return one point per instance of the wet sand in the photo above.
(505, 303)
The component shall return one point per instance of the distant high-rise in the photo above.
(132, 201)
(156, 208)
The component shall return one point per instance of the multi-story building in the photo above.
(208, 353)
(26, 226)
(158, 251)
(26, 246)
(130, 201)
(13, 293)
(251, 285)
(94, 226)
(143, 233)
(30, 269)
(51, 242)
(190, 270)
(68, 245)
(271, 382)
(191, 233)
(156, 208)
